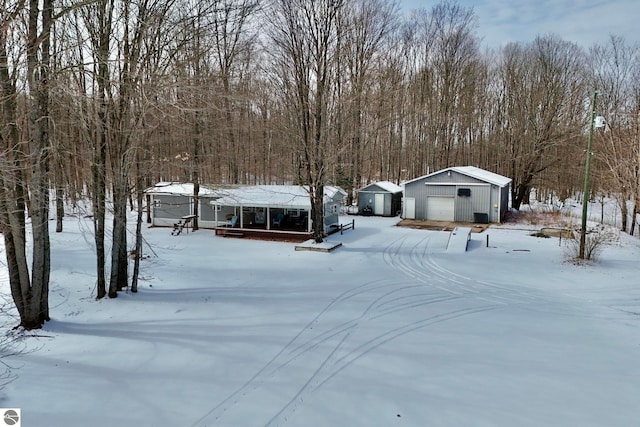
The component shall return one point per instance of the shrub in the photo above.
(594, 243)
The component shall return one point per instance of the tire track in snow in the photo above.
(334, 365)
(279, 361)
(335, 336)
(422, 265)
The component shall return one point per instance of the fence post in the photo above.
(353, 224)
(487, 240)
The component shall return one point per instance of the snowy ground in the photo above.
(387, 330)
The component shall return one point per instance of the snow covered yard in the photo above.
(389, 329)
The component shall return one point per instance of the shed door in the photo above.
(378, 207)
(440, 208)
(409, 208)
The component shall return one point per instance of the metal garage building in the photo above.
(460, 194)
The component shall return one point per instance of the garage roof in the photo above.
(473, 172)
(484, 175)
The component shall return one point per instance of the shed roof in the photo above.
(385, 185)
(473, 172)
(292, 196)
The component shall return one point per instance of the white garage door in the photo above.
(440, 208)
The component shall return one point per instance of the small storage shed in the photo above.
(381, 198)
(458, 194)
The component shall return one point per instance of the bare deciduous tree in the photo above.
(30, 292)
(541, 108)
(615, 69)
(305, 34)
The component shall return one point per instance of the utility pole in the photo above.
(587, 173)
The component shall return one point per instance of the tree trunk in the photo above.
(59, 204)
(624, 212)
(30, 294)
(317, 212)
(99, 163)
(139, 200)
(634, 216)
(119, 273)
(195, 176)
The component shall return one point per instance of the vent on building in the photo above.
(464, 192)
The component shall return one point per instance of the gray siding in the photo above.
(363, 199)
(478, 202)
(331, 215)
(171, 207)
(386, 211)
(207, 210)
(452, 178)
(332, 212)
(368, 198)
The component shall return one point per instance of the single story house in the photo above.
(274, 207)
(381, 198)
(266, 207)
(458, 194)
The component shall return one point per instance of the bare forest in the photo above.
(101, 99)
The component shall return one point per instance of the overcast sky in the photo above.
(585, 22)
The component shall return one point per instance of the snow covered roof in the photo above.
(473, 172)
(484, 175)
(386, 186)
(178, 189)
(288, 196)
